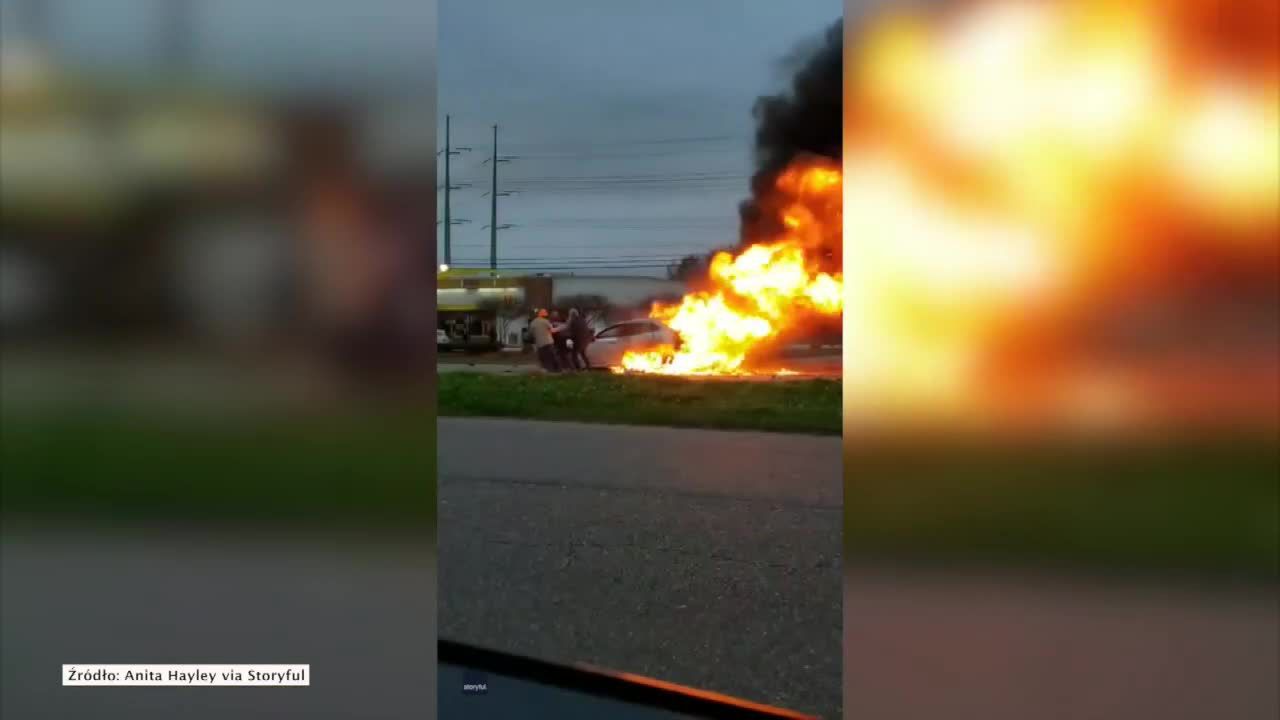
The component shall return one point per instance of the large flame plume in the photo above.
(757, 295)
(1020, 173)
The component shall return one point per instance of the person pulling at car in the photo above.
(560, 336)
(544, 341)
(581, 335)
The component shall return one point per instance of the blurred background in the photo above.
(216, 277)
(1062, 354)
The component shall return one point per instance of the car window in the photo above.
(624, 330)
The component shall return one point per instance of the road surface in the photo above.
(930, 644)
(700, 557)
(356, 607)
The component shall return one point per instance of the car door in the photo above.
(609, 346)
(637, 336)
(652, 335)
(656, 335)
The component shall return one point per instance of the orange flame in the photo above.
(1019, 172)
(760, 293)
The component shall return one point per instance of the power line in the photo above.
(685, 249)
(582, 227)
(615, 177)
(634, 184)
(633, 179)
(481, 264)
(598, 258)
(570, 183)
(610, 182)
(588, 259)
(685, 189)
(558, 261)
(566, 266)
(675, 152)
(641, 142)
(636, 218)
(579, 230)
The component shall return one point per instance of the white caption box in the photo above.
(142, 675)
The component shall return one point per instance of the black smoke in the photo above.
(806, 119)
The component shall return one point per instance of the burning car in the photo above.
(754, 297)
(613, 343)
(784, 280)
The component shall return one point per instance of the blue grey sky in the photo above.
(631, 122)
(352, 46)
(631, 119)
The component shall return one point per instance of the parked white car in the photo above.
(442, 337)
(614, 341)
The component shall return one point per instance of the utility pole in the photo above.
(493, 194)
(493, 206)
(449, 222)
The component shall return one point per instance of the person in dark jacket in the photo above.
(581, 335)
(560, 330)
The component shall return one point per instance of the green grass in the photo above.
(1197, 504)
(808, 406)
(1192, 503)
(362, 469)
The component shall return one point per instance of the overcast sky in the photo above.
(631, 120)
(347, 45)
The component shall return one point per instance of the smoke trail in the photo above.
(804, 120)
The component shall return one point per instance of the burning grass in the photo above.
(795, 406)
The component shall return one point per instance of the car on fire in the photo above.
(613, 342)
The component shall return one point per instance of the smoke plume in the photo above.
(806, 119)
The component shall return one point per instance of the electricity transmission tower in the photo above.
(493, 194)
(449, 221)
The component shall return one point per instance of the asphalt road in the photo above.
(932, 644)
(700, 557)
(355, 606)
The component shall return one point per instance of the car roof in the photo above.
(645, 321)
